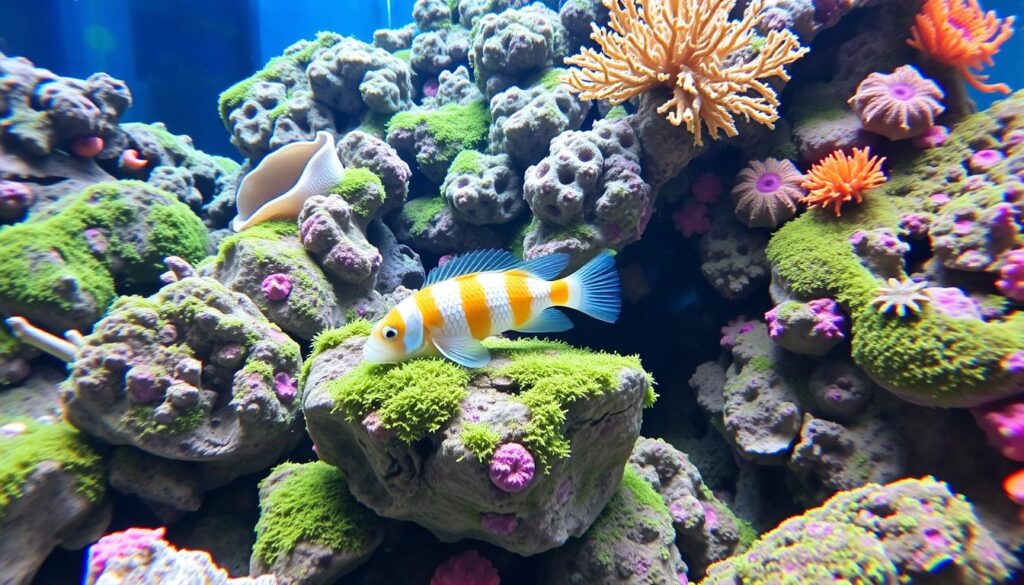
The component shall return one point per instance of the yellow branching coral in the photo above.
(693, 48)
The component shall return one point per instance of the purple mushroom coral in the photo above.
(512, 468)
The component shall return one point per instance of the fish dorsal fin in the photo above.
(464, 351)
(477, 261)
(546, 267)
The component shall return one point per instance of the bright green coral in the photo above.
(466, 163)
(38, 443)
(168, 228)
(311, 504)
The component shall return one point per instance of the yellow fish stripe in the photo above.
(474, 305)
(519, 297)
(432, 317)
(559, 292)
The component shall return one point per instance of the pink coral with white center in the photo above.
(120, 544)
(692, 218)
(983, 160)
(902, 104)
(1011, 275)
(466, 568)
(767, 192)
(512, 468)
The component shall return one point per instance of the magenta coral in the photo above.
(934, 137)
(733, 329)
(902, 104)
(952, 302)
(767, 192)
(276, 287)
(692, 218)
(512, 468)
(983, 160)
(120, 544)
(1003, 423)
(285, 386)
(706, 188)
(1011, 275)
(466, 568)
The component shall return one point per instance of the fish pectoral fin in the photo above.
(464, 351)
(549, 320)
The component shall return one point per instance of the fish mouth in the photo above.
(376, 355)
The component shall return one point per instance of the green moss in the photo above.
(274, 70)
(466, 163)
(479, 439)
(615, 113)
(553, 375)
(643, 492)
(550, 78)
(62, 443)
(172, 230)
(375, 123)
(362, 189)
(312, 504)
(8, 344)
(140, 418)
(420, 213)
(225, 164)
(747, 534)
(331, 338)
(404, 54)
(634, 504)
(761, 364)
(454, 127)
(412, 399)
(271, 230)
(517, 241)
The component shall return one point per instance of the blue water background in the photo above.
(178, 55)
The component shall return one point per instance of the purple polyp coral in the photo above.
(985, 159)
(934, 137)
(916, 224)
(952, 301)
(512, 468)
(734, 329)
(1003, 423)
(121, 544)
(499, 524)
(15, 198)
(768, 182)
(1011, 275)
(285, 386)
(276, 287)
(828, 320)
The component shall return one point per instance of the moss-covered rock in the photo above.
(311, 529)
(930, 358)
(433, 138)
(63, 268)
(575, 412)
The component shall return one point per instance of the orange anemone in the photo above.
(959, 34)
(839, 178)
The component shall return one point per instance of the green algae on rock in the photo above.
(62, 268)
(306, 508)
(900, 532)
(931, 359)
(61, 443)
(433, 138)
(575, 412)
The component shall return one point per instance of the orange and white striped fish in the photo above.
(488, 292)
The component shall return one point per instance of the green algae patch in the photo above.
(466, 163)
(356, 183)
(412, 399)
(40, 254)
(140, 418)
(271, 230)
(331, 338)
(480, 440)
(454, 127)
(551, 376)
(39, 443)
(634, 505)
(311, 504)
(276, 69)
(419, 213)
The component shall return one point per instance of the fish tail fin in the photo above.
(594, 289)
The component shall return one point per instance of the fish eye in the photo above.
(389, 333)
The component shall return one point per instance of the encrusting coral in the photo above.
(692, 47)
(767, 192)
